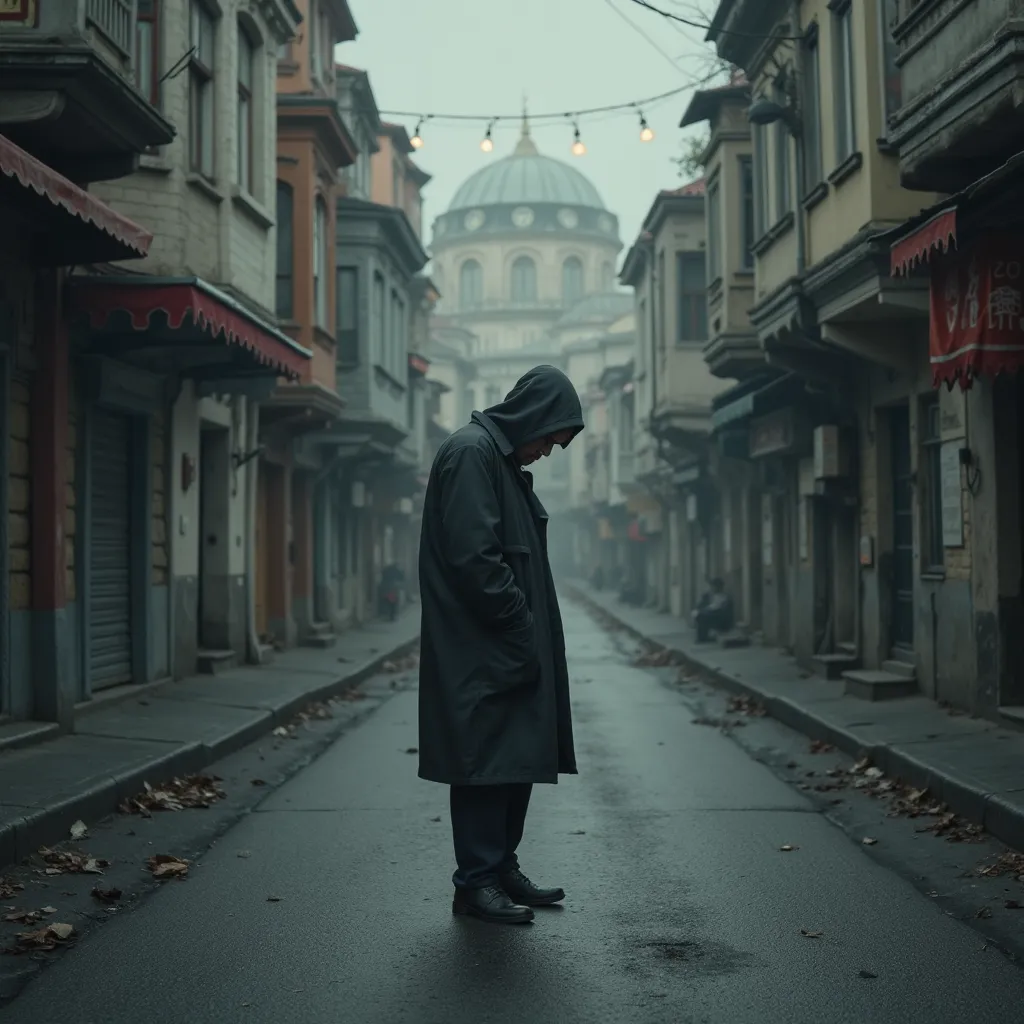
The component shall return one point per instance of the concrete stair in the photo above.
(211, 663)
(735, 638)
(834, 666)
(894, 680)
(320, 635)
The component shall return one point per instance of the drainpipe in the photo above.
(252, 421)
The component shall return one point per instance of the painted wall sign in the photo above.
(20, 12)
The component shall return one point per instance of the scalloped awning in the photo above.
(937, 233)
(107, 235)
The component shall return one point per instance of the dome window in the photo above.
(524, 280)
(471, 285)
(572, 281)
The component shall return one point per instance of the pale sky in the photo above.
(455, 56)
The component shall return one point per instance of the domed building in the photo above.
(525, 240)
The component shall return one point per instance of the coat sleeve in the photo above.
(470, 516)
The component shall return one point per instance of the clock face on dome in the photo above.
(568, 218)
(474, 220)
(522, 216)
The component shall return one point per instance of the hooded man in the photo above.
(494, 687)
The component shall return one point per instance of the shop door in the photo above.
(262, 555)
(902, 637)
(109, 589)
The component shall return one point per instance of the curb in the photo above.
(48, 825)
(1000, 817)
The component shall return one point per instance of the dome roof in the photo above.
(601, 308)
(526, 177)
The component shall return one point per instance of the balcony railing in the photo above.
(114, 19)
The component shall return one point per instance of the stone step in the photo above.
(847, 647)
(209, 663)
(1013, 715)
(320, 640)
(870, 684)
(832, 666)
(265, 653)
(734, 639)
(320, 629)
(900, 668)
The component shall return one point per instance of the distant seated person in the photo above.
(597, 578)
(714, 613)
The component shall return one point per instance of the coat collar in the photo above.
(496, 433)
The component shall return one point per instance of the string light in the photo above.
(646, 131)
(487, 143)
(417, 140)
(578, 148)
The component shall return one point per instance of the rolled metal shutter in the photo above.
(110, 599)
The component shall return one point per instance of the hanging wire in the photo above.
(706, 26)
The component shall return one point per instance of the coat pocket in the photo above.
(517, 558)
(513, 660)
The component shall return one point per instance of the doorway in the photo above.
(261, 570)
(902, 595)
(216, 596)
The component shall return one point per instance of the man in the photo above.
(494, 687)
(714, 612)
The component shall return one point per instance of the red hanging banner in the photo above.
(977, 312)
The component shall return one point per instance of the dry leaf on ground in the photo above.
(821, 747)
(808, 934)
(788, 848)
(274, 899)
(70, 862)
(164, 866)
(983, 913)
(746, 706)
(866, 974)
(23, 916)
(45, 938)
(401, 664)
(110, 895)
(258, 782)
(78, 830)
(175, 795)
(9, 888)
(868, 841)
(1008, 863)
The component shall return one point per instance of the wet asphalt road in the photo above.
(680, 906)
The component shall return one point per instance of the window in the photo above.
(316, 62)
(147, 51)
(748, 226)
(379, 314)
(471, 285)
(813, 173)
(931, 452)
(783, 175)
(714, 207)
(396, 185)
(398, 341)
(524, 280)
(200, 90)
(284, 303)
(347, 315)
(320, 262)
(842, 34)
(660, 330)
(692, 297)
(244, 139)
(892, 82)
(572, 281)
(761, 180)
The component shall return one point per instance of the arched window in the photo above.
(524, 280)
(471, 284)
(572, 281)
(285, 251)
(320, 262)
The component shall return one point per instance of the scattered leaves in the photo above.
(164, 866)
(9, 888)
(46, 938)
(79, 830)
(49, 910)
(192, 791)
(746, 706)
(111, 895)
(23, 916)
(808, 934)
(656, 658)
(69, 862)
(1008, 863)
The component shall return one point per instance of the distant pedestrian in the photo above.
(714, 613)
(494, 686)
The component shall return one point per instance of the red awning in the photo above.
(977, 312)
(33, 174)
(209, 309)
(938, 232)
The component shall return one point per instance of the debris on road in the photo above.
(111, 895)
(578, 832)
(746, 706)
(68, 862)
(165, 866)
(396, 665)
(868, 841)
(821, 747)
(79, 830)
(866, 974)
(983, 913)
(46, 938)
(192, 791)
(258, 782)
(9, 888)
(412, 750)
(274, 899)
(788, 848)
(1008, 863)
(808, 934)
(656, 658)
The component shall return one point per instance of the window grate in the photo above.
(114, 19)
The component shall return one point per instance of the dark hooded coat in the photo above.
(494, 687)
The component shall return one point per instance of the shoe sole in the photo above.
(459, 911)
(547, 901)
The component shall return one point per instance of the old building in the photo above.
(525, 241)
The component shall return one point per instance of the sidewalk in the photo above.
(973, 765)
(175, 728)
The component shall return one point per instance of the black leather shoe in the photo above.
(490, 904)
(523, 891)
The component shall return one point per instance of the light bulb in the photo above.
(417, 140)
(487, 143)
(646, 131)
(578, 149)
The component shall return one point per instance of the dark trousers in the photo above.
(709, 619)
(487, 826)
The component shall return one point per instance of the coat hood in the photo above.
(542, 402)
